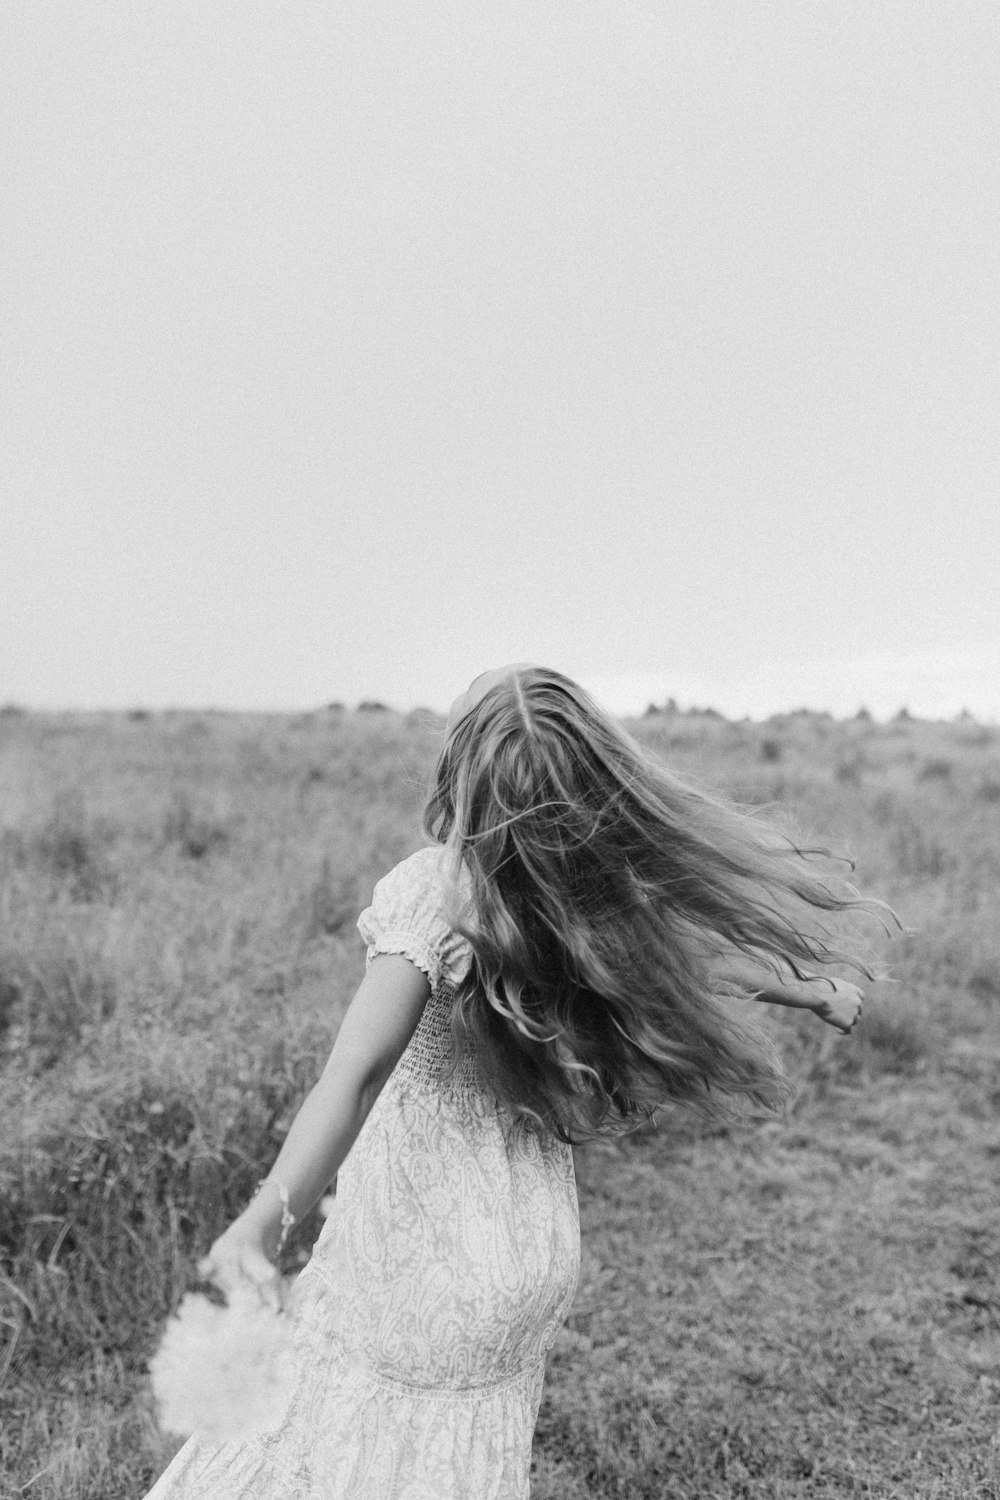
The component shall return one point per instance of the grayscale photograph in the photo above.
(500, 750)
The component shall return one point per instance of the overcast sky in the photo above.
(349, 350)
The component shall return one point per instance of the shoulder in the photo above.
(428, 878)
(424, 866)
(412, 911)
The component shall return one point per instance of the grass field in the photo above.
(799, 1308)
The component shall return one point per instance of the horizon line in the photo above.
(670, 708)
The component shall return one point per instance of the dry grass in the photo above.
(810, 1308)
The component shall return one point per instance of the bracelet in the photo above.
(287, 1217)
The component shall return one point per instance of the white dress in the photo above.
(437, 1285)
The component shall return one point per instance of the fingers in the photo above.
(257, 1268)
(855, 1018)
(239, 1269)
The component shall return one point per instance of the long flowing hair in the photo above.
(599, 883)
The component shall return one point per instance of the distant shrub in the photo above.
(12, 711)
(989, 789)
(195, 833)
(139, 715)
(863, 715)
(915, 850)
(74, 852)
(936, 769)
(884, 808)
(896, 1042)
(978, 735)
(372, 706)
(14, 849)
(771, 750)
(67, 849)
(984, 981)
(10, 996)
(848, 771)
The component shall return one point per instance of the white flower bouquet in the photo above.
(224, 1372)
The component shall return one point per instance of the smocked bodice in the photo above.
(428, 1062)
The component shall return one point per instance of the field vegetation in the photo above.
(799, 1308)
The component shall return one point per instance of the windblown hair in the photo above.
(600, 883)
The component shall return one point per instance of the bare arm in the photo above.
(373, 1035)
(838, 1002)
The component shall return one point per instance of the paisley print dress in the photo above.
(438, 1284)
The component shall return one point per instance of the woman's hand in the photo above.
(239, 1257)
(838, 1002)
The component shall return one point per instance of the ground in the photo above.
(795, 1308)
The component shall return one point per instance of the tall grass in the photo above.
(177, 900)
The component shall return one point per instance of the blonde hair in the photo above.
(597, 877)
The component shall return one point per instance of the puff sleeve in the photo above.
(406, 916)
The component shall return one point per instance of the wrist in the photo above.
(271, 1213)
(814, 991)
(798, 994)
(258, 1226)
